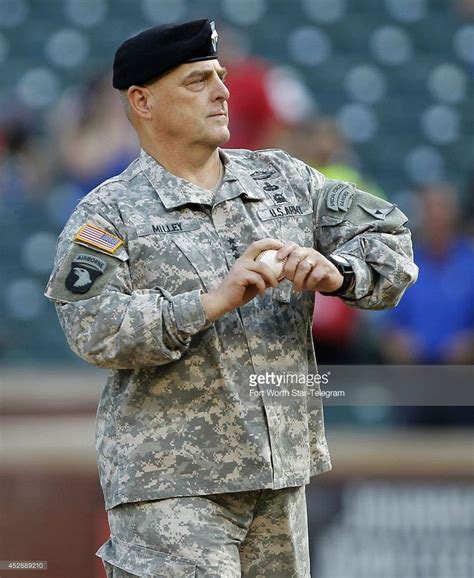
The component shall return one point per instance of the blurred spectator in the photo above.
(465, 7)
(265, 100)
(468, 216)
(336, 326)
(335, 331)
(25, 160)
(434, 322)
(95, 138)
(322, 145)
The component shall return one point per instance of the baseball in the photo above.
(276, 265)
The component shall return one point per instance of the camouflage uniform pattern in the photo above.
(255, 534)
(176, 417)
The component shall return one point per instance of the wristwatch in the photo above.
(345, 269)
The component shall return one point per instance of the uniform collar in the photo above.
(249, 188)
(175, 191)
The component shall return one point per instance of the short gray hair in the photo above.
(126, 104)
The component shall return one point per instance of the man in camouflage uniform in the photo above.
(155, 278)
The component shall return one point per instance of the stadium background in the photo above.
(396, 77)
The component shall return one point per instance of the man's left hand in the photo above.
(308, 269)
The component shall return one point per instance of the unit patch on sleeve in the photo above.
(95, 236)
(85, 269)
(340, 197)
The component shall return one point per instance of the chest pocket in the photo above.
(289, 222)
(291, 313)
(176, 255)
(300, 300)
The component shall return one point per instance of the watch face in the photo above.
(344, 262)
(345, 269)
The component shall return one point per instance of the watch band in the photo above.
(345, 269)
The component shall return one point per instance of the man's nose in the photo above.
(221, 90)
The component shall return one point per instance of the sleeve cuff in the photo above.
(364, 278)
(189, 313)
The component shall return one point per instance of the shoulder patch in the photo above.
(82, 273)
(85, 269)
(95, 236)
(340, 197)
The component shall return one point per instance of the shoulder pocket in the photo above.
(144, 562)
(379, 213)
(331, 220)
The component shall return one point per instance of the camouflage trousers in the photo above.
(256, 534)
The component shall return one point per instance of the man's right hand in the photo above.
(245, 280)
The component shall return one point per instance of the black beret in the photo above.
(161, 48)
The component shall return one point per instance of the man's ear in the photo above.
(139, 99)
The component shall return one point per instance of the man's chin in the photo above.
(226, 138)
(222, 136)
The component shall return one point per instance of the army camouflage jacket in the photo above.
(181, 412)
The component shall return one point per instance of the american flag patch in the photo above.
(97, 237)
